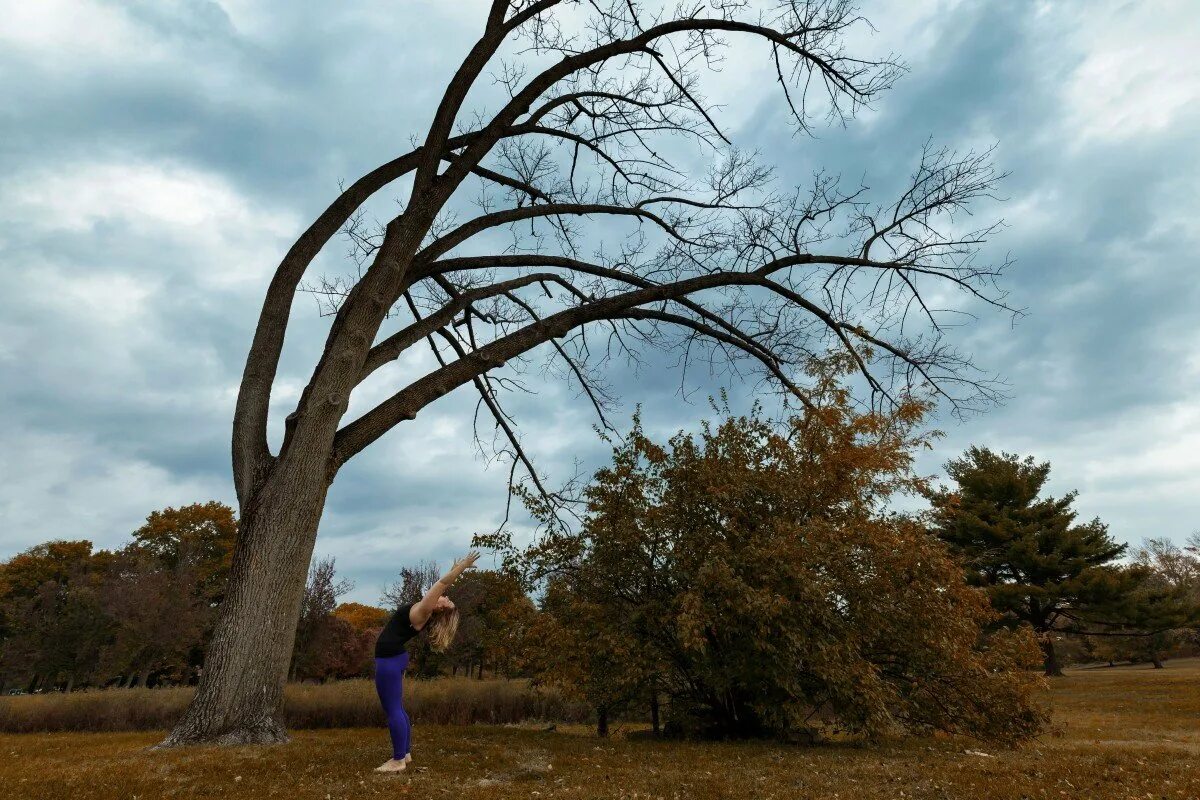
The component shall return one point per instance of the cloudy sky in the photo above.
(158, 156)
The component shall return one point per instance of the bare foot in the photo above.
(393, 765)
(408, 759)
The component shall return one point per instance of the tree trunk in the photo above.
(1053, 668)
(654, 708)
(70, 683)
(1156, 661)
(241, 687)
(602, 721)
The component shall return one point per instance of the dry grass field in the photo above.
(343, 704)
(1126, 732)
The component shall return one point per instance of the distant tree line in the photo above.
(72, 616)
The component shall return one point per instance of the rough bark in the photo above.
(241, 689)
(1053, 668)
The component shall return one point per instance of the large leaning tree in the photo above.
(567, 119)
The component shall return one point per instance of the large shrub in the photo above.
(757, 575)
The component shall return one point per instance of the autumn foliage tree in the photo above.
(73, 616)
(1039, 565)
(51, 620)
(562, 112)
(362, 617)
(199, 536)
(756, 572)
(321, 635)
(495, 612)
(578, 646)
(158, 613)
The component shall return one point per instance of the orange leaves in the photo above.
(362, 617)
(756, 571)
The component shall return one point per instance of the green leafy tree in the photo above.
(1039, 565)
(1166, 606)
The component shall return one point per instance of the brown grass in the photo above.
(345, 704)
(1122, 733)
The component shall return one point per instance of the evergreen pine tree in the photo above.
(1038, 564)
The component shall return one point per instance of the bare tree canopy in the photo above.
(564, 218)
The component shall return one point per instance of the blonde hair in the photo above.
(443, 625)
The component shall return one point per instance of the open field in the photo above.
(1128, 732)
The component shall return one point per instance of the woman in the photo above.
(434, 611)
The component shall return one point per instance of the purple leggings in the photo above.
(389, 683)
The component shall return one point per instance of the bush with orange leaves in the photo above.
(759, 575)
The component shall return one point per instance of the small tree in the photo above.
(358, 649)
(492, 606)
(319, 634)
(1167, 603)
(580, 648)
(1039, 566)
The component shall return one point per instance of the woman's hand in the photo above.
(421, 611)
(461, 565)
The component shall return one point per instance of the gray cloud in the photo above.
(158, 157)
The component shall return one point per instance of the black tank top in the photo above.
(395, 634)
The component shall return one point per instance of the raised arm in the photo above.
(421, 611)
